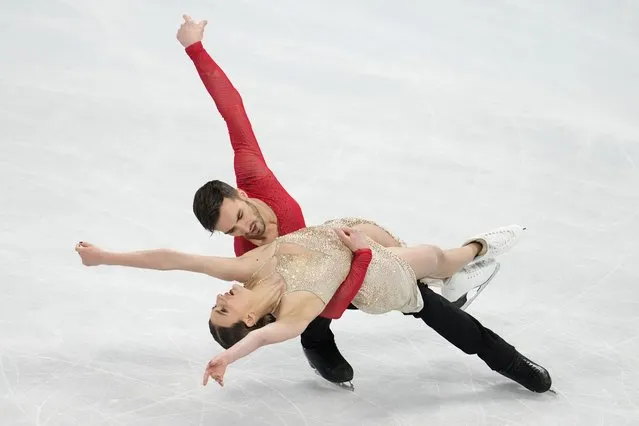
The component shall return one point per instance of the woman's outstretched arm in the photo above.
(276, 332)
(296, 312)
(223, 268)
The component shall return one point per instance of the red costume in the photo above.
(255, 178)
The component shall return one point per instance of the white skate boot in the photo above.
(463, 288)
(496, 242)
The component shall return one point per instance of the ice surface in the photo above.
(437, 119)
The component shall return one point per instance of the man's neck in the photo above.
(270, 222)
(265, 210)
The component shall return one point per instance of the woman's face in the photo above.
(232, 306)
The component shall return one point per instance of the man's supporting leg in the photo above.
(465, 332)
(318, 343)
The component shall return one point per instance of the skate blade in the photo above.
(480, 288)
(342, 385)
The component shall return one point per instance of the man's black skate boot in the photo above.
(532, 376)
(329, 363)
(459, 303)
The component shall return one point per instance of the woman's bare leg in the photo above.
(427, 261)
(377, 234)
(433, 262)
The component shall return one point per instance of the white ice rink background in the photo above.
(436, 119)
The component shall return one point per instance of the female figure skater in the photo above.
(289, 282)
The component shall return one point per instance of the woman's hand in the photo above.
(90, 254)
(215, 369)
(353, 239)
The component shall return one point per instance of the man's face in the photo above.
(240, 218)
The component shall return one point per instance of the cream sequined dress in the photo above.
(314, 259)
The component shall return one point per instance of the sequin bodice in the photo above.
(320, 265)
(314, 259)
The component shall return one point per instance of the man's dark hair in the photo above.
(208, 200)
(228, 336)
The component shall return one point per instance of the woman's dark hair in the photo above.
(228, 336)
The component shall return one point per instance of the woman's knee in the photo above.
(377, 234)
(430, 258)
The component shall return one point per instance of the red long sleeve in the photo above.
(351, 285)
(249, 162)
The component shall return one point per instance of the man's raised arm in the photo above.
(249, 162)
